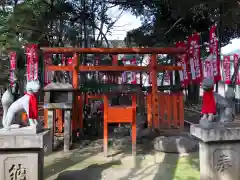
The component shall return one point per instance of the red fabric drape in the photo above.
(209, 104)
(33, 106)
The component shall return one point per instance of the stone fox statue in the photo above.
(215, 104)
(209, 103)
(28, 103)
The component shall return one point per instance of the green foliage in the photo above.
(52, 23)
(167, 21)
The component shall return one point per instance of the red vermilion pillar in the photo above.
(134, 124)
(154, 91)
(75, 94)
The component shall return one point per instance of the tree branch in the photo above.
(101, 32)
(173, 26)
(112, 24)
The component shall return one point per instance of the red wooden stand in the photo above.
(119, 114)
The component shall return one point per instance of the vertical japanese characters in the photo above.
(129, 77)
(226, 69)
(183, 62)
(208, 68)
(32, 62)
(235, 60)
(194, 58)
(134, 74)
(13, 61)
(214, 51)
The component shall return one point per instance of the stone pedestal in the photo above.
(219, 151)
(67, 108)
(22, 156)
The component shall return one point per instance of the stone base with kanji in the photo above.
(21, 156)
(219, 151)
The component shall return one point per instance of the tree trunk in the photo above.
(193, 94)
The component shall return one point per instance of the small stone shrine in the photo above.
(22, 148)
(59, 96)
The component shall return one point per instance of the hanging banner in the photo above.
(124, 74)
(235, 60)
(167, 76)
(214, 51)
(129, 77)
(48, 76)
(32, 62)
(208, 68)
(194, 58)
(183, 62)
(133, 74)
(226, 69)
(13, 62)
(69, 61)
(63, 60)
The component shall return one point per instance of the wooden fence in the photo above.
(171, 110)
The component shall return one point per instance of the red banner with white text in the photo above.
(13, 62)
(194, 58)
(214, 51)
(183, 62)
(235, 60)
(226, 69)
(32, 62)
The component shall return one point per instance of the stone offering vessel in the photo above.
(28, 103)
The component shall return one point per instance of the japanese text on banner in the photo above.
(183, 62)
(226, 69)
(133, 74)
(235, 60)
(208, 69)
(194, 58)
(32, 62)
(13, 61)
(214, 50)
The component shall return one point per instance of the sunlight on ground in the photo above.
(121, 166)
(187, 169)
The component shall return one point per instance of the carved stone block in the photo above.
(219, 161)
(15, 166)
(219, 152)
(22, 156)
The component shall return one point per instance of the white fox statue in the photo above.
(28, 103)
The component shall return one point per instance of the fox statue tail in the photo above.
(7, 100)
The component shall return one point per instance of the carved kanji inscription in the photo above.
(17, 172)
